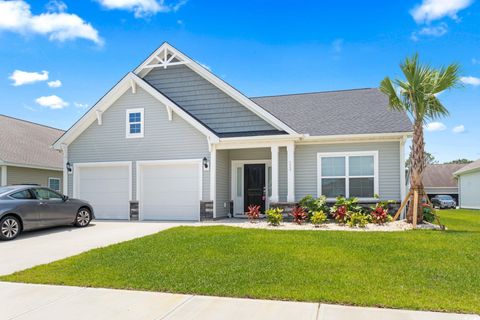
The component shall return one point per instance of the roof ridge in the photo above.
(313, 92)
(31, 122)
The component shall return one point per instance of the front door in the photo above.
(254, 185)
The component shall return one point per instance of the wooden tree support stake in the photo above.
(415, 208)
(402, 206)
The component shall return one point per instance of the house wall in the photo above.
(205, 101)
(22, 175)
(163, 139)
(469, 189)
(388, 159)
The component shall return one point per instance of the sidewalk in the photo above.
(28, 301)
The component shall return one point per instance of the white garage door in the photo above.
(106, 187)
(169, 190)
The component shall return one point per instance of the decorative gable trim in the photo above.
(180, 58)
(113, 95)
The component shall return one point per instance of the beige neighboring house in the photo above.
(26, 155)
(469, 185)
(439, 179)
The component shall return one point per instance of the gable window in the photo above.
(54, 184)
(135, 123)
(352, 174)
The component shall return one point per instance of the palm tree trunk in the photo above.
(417, 167)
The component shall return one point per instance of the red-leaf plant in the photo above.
(380, 215)
(299, 215)
(340, 214)
(253, 212)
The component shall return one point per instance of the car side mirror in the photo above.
(65, 198)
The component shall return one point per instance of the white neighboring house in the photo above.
(469, 185)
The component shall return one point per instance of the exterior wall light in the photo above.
(69, 167)
(205, 163)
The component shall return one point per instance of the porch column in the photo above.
(291, 172)
(274, 197)
(64, 169)
(3, 181)
(213, 177)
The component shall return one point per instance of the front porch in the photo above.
(242, 174)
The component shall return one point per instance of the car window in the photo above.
(24, 194)
(46, 194)
(445, 197)
(6, 189)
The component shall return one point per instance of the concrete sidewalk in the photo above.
(28, 302)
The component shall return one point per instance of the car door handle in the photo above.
(43, 203)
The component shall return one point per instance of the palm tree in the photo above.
(418, 96)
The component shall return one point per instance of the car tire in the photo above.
(10, 228)
(83, 217)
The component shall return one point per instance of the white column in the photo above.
(274, 197)
(291, 172)
(402, 174)
(64, 169)
(4, 176)
(213, 177)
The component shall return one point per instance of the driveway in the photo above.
(44, 246)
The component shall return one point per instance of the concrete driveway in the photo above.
(44, 246)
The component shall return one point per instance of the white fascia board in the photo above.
(460, 172)
(115, 93)
(394, 136)
(222, 85)
(21, 165)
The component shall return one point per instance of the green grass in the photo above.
(427, 270)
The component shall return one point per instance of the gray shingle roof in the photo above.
(441, 175)
(469, 167)
(358, 111)
(27, 143)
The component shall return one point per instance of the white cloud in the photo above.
(430, 10)
(55, 84)
(20, 77)
(430, 31)
(80, 105)
(459, 129)
(15, 16)
(474, 81)
(435, 126)
(142, 8)
(52, 102)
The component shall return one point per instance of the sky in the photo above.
(57, 58)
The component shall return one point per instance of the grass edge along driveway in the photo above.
(422, 270)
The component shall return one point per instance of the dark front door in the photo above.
(254, 184)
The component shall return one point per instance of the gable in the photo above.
(204, 101)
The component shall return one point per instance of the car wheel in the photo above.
(83, 218)
(10, 228)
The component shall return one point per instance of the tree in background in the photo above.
(418, 96)
(459, 161)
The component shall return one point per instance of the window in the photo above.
(353, 174)
(24, 194)
(135, 122)
(45, 194)
(54, 184)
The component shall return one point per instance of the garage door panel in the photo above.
(170, 191)
(107, 188)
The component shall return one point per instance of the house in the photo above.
(26, 154)
(175, 142)
(439, 179)
(469, 185)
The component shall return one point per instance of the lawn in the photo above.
(427, 270)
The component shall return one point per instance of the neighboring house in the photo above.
(469, 185)
(175, 140)
(439, 179)
(26, 154)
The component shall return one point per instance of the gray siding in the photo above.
(223, 183)
(388, 159)
(21, 175)
(204, 100)
(163, 139)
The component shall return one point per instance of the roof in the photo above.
(441, 175)
(475, 165)
(356, 111)
(28, 144)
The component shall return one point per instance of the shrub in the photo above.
(318, 218)
(253, 213)
(299, 215)
(428, 213)
(340, 213)
(274, 216)
(379, 212)
(357, 219)
(311, 205)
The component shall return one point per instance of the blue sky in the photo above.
(260, 47)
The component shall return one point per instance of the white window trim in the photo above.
(347, 176)
(59, 183)
(142, 123)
